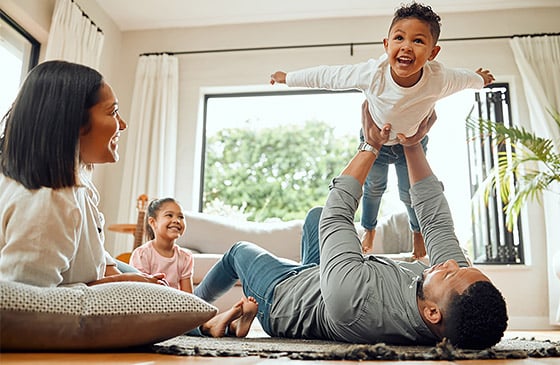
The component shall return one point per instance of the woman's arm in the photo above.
(113, 274)
(131, 276)
(40, 232)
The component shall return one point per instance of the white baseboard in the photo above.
(521, 323)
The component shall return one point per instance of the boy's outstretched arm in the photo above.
(279, 77)
(486, 75)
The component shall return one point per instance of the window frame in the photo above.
(33, 57)
(473, 229)
(240, 95)
(498, 246)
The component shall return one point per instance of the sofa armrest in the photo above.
(203, 262)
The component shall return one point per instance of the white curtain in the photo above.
(73, 36)
(151, 147)
(538, 60)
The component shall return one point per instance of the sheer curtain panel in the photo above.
(538, 60)
(149, 161)
(73, 36)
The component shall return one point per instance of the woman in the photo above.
(64, 120)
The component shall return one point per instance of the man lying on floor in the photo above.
(337, 293)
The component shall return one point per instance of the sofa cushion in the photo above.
(213, 234)
(105, 316)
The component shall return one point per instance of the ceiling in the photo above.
(153, 14)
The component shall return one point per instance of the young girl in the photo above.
(165, 223)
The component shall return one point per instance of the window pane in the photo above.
(246, 178)
(272, 156)
(17, 55)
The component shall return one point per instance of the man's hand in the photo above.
(279, 77)
(423, 129)
(372, 134)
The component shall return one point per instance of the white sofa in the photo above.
(208, 237)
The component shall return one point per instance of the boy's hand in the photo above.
(486, 75)
(279, 77)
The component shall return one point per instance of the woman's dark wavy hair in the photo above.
(39, 146)
(421, 12)
(477, 318)
(153, 208)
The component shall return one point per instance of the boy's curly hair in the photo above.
(421, 12)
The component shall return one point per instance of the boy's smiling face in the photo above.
(409, 46)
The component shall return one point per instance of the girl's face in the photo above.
(409, 46)
(169, 222)
(99, 140)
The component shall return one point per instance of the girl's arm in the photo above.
(186, 285)
(187, 263)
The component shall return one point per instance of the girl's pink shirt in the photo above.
(180, 266)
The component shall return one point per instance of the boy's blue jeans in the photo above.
(259, 270)
(376, 184)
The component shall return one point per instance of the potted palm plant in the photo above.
(529, 168)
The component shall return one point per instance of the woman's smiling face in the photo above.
(99, 140)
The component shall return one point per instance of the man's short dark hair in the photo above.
(421, 12)
(477, 318)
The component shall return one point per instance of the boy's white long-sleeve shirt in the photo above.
(404, 107)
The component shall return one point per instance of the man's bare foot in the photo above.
(216, 326)
(242, 325)
(419, 249)
(367, 241)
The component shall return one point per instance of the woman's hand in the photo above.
(372, 134)
(423, 129)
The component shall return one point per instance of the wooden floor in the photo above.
(149, 359)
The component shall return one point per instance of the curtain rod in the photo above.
(87, 16)
(174, 53)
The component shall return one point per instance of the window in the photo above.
(19, 53)
(271, 156)
(492, 242)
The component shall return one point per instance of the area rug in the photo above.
(270, 347)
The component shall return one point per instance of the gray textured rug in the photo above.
(267, 347)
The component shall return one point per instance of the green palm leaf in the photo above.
(523, 173)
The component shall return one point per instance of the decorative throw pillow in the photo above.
(105, 316)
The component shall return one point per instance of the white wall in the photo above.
(525, 287)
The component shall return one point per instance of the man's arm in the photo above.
(431, 207)
(342, 263)
(360, 165)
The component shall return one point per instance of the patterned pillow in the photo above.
(106, 316)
